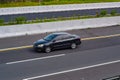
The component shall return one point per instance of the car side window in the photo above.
(58, 38)
(67, 37)
(63, 37)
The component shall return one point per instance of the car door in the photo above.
(63, 41)
(67, 40)
(58, 42)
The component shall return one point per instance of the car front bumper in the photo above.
(36, 48)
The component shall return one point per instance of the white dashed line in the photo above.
(35, 59)
(71, 70)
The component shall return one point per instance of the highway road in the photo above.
(42, 15)
(61, 61)
(99, 56)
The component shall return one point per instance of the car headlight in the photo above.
(41, 45)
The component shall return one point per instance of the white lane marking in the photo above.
(35, 59)
(71, 70)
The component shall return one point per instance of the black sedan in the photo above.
(57, 41)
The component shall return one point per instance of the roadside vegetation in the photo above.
(23, 20)
(18, 3)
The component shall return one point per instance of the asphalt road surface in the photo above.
(26, 64)
(61, 61)
(44, 15)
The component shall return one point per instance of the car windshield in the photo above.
(50, 37)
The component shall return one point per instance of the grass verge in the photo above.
(52, 2)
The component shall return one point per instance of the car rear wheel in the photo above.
(73, 45)
(47, 49)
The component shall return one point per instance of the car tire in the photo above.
(47, 50)
(73, 46)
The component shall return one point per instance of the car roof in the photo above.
(61, 33)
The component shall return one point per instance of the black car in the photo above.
(57, 41)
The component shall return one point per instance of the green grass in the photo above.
(53, 2)
(77, 1)
(19, 4)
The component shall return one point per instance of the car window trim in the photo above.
(64, 40)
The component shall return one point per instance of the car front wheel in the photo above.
(47, 49)
(73, 45)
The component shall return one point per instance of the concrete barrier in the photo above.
(53, 8)
(28, 29)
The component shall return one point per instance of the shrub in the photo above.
(1, 21)
(20, 20)
(103, 13)
(113, 12)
